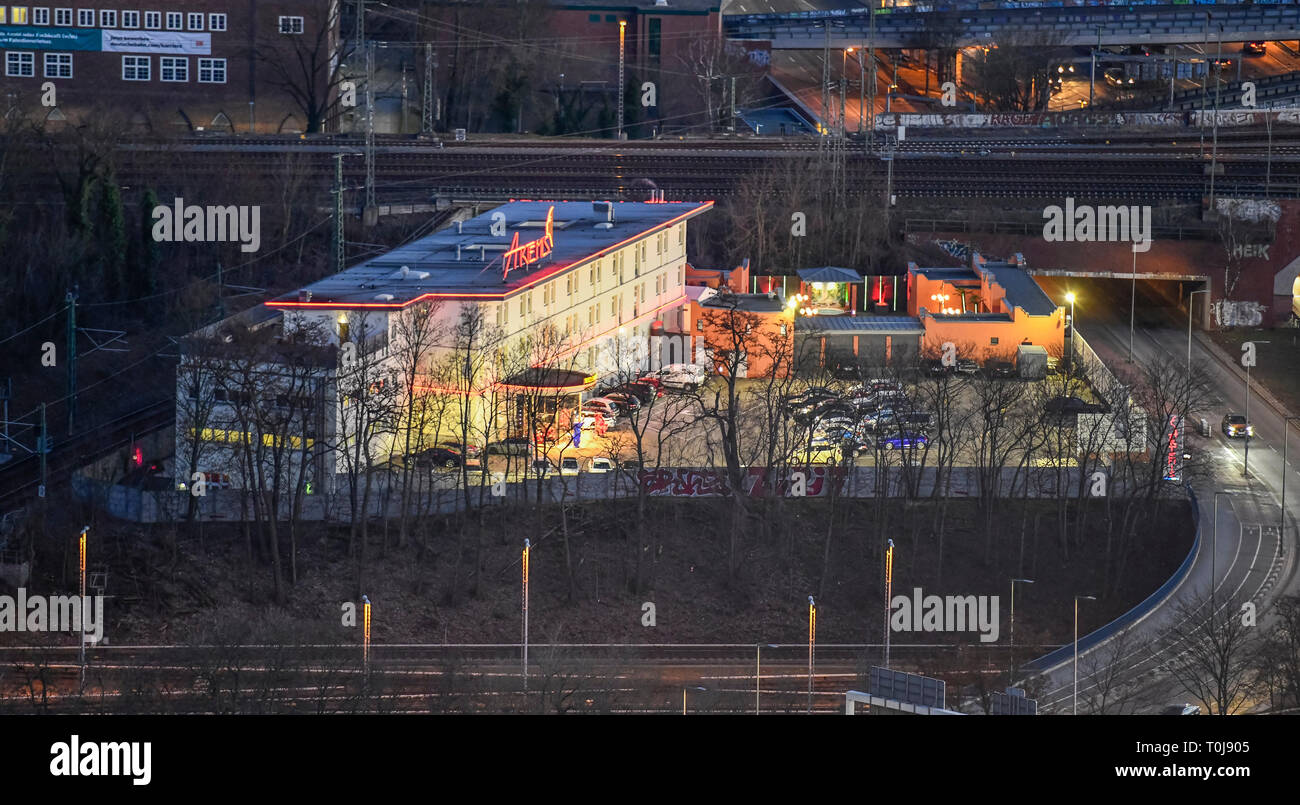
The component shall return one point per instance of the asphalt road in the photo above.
(1251, 561)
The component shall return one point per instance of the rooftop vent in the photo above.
(304, 295)
(605, 208)
(405, 273)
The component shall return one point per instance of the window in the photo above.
(135, 68)
(993, 341)
(291, 25)
(194, 22)
(593, 18)
(173, 68)
(18, 15)
(699, 325)
(153, 19)
(58, 65)
(3, 19)
(86, 17)
(63, 16)
(130, 19)
(20, 64)
(40, 16)
(173, 20)
(107, 19)
(610, 18)
(212, 71)
(216, 22)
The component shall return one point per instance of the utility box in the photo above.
(1031, 362)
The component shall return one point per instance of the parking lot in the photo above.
(973, 417)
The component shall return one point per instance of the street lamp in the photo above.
(1286, 431)
(1132, 304)
(1214, 547)
(81, 552)
(697, 687)
(758, 673)
(622, 32)
(1012, 671)
(1077, 599)
(812, 644)
(365, 635)
(1245, 465)
(1070, 297)
(527, 551)
(889, 588)
(1189, 326)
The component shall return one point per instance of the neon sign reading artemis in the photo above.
(518, 256)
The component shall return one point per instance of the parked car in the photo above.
(601, 464)
(652, 380)
(809, 399)
(967, 366)
(822, 410)
(937, 367)
(682, 376)
(818, 454)
(470, 450)
(602, 405)
(1234, 426)
(904, 440)
(594, 420)
(1072, 405)
(438, 457)
(1181, 710)
(542, 468)
(917, 420)
(627, 401)
(643, 392)
(1001, 369)
(569, 465)
(509, 446)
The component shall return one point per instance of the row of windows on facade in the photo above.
(153, 20)
(22, 64)
(593, 311)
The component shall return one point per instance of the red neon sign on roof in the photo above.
(518, 256)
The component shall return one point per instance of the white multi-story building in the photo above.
(532, 294)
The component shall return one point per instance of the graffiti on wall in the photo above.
(687, 482)
(1238, 314)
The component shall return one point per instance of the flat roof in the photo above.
(949, 274)
(752, 302)
(1022, 291)
(879, 325)
(433, 270)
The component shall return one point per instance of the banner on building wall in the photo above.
(164, 42)
(25, 37)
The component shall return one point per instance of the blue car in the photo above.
(907, 439)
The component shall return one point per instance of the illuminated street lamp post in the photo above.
(527, 550)
(1132, 305)
(365, 635)
(1214, 548)
(1069, 297)
(622, 32)
(889, 588)
(812, 643)
(697, 687)
(81, 552)
(1245, 464)
(1077, 599)
(1189, 325)
(1286, 432)
(1012, 672)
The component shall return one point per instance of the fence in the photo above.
(1092, 639)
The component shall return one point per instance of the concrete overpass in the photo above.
(1077, 25)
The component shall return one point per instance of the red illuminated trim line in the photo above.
(704, 207)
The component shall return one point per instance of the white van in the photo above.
(682, 376)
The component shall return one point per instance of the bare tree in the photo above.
(1209, 650)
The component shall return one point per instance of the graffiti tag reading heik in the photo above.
(951, 613)
(1106, 224)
